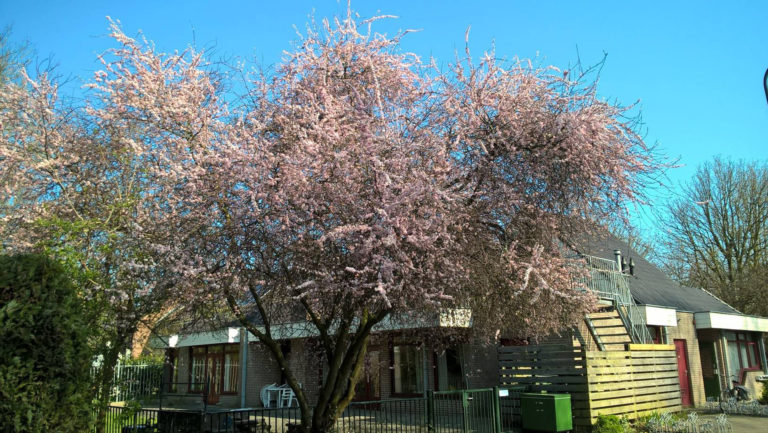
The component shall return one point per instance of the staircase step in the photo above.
(607, 323)
(604, 315)
(615, 347)
(612, 330)
(607, 339)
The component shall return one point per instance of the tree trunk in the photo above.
(104, 385)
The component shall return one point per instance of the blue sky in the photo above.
(695, 66)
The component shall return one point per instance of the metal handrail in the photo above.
(609, 283)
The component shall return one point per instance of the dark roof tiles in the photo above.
(649, 285)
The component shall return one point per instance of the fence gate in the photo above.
(465, 411)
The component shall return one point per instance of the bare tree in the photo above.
(717, 233)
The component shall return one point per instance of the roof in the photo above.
(648, 284)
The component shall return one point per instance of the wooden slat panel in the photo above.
(565, 380)
(672, 405)
(621, 382)
(633, 354)
(547, 372)
(632, 382)
(616, 346)
(647, 347)
(618, 393)
(633, 400)
(600, 387)
(596, 362)
(540, 362)
(631, 377)
(536, 348)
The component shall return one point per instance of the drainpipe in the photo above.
(425, 363)
(243, 364)
(464, 369)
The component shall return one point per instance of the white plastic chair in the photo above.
(264, 394)
(287, 396)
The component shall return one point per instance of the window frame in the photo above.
(173, 357)
(657, 334)
(746, 341)
(220, 351)
(461, 374)
(424, 379)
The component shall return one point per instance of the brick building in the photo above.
(716, 345)
(397, 364)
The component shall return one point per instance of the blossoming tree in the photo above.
(356, 183)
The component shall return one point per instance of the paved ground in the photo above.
(745, 424)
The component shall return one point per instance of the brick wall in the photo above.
(481, 365)
(686, 330)
(262, 370)
(183, 367)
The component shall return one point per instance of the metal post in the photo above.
(425, 367)
(725, 384)
(496, 410)
(243, 364)
(464, 407)
(430, 411)
(761, 348)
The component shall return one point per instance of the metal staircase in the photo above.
(610, 284)
(608, 330)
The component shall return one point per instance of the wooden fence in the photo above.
(639, 380)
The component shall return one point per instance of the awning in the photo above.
(733, 322)
(658, 316)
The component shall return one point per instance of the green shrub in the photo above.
(611, 424)
(44, 354)
(763, 399)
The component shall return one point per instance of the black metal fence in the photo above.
(490, 410)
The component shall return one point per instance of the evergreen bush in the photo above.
(44, 352)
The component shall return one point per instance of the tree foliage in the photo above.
(12, 57)
(354, 184)
(717, 233)
(71, 188)
(44, 353)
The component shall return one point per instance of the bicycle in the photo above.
(732, 396)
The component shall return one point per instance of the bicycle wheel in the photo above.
(724, 400)
(742, 394)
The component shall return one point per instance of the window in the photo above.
(453, 370)
(657, 334)
(217, 366)
(172, 356)
(743, 354)
(231, 368)
(408, 370)
(197, 370)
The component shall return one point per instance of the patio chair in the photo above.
(287, 397)
(265, 395)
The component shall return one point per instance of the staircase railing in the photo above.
(609, 283)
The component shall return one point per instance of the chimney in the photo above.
(617, 255)
(631, 266)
